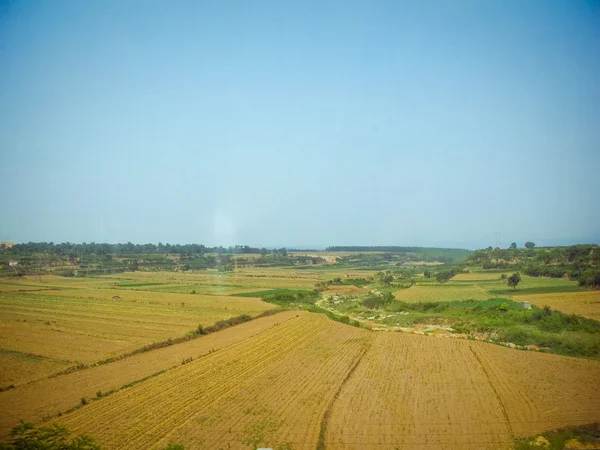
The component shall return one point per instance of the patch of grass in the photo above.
(586, 434)
(270, 292)
(504, 320)
(536, 290)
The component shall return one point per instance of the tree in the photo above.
(264, 252)
(427, 274)
(442, 277)
(529, 244)
(387, 279)
(513, 280)
(513, 246)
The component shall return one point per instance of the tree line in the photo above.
(93, 248)
(578, 262)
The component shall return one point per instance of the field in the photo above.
(447, 292)
(296, 379)
(55, 323)
(421, 392)
(300, 384)
(47, 397)
(485, 285)
(585, 303)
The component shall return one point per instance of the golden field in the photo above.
(586, 303)
(292, 380)
(310, 381)
(53, 324)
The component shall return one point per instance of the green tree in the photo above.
(264, 252)
(513, 280)
(529, 244)
(442, 277)
(513, 246)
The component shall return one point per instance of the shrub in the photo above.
(55, 437)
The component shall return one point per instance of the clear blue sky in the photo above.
(303, 123)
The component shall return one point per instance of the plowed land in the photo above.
(311, 382)
(424, 392)
(271, 389)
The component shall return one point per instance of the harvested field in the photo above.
(345, 290)
(478, 276)
(48, 396)
(449, 393)
(541, 391)
(67, 326)
(17, 367)
(441, 293)
(270, 389)
(585, 303)
(310, 381)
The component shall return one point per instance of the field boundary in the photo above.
(218, 326)
(487, 376)
(327, 415)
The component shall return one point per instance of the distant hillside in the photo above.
(578, 262)
(449, 255)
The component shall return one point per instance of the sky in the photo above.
(309, 123)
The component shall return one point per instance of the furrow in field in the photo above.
(150, 410)
(542, 391)
(418, 392)
(49, 396)
(285, 405)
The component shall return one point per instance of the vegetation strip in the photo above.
(582, 437)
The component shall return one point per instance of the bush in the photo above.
(55, 437)
(378, 301)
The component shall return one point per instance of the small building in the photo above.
(526, 305)
(13, 262)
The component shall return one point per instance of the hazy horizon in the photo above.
(311, 124)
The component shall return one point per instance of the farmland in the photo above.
(300, 384)
(51, 324)
(125, 357)
(447, 393)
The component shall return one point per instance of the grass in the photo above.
(585, 434)
(300, 299)
(270, 292)
(536, 290)
(499, 319)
